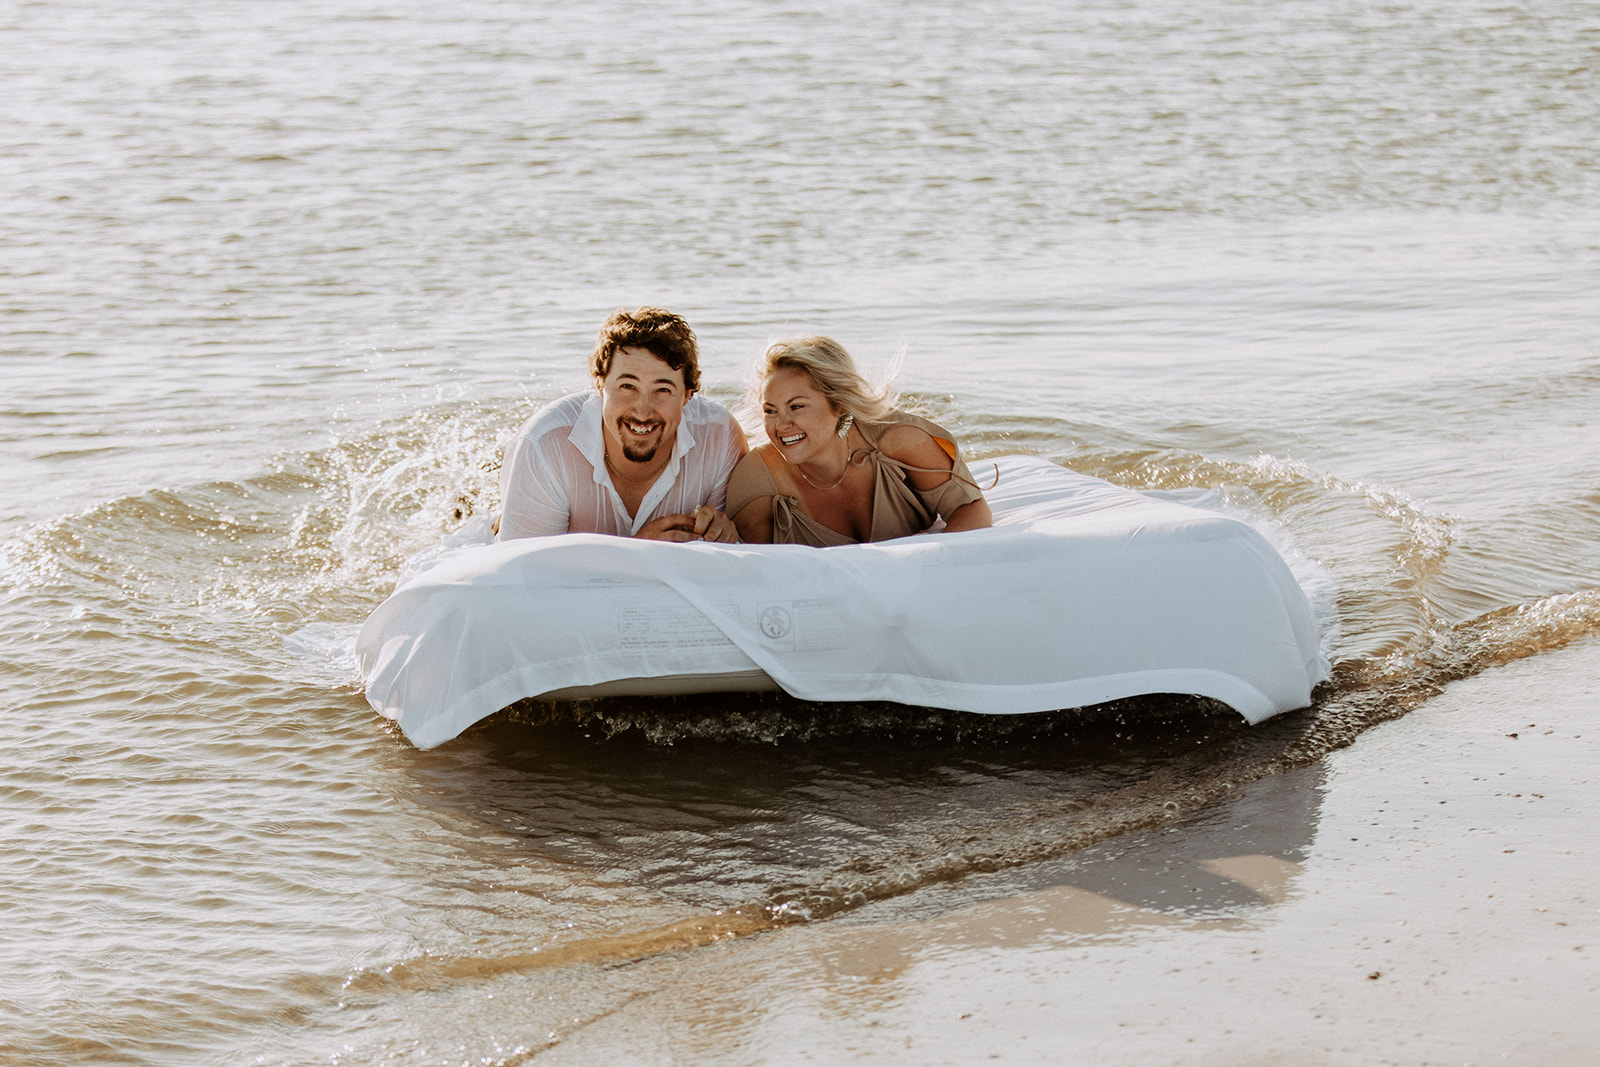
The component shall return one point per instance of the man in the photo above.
(642, 456)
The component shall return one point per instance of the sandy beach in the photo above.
(1425, 896)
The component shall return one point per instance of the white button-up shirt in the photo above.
(554, 478)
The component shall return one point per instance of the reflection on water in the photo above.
(1221, 866)
(1224, 867)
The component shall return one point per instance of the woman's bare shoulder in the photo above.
(913, 445)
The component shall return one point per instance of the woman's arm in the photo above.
(749, 499)
(973, 516)
(916, 447)
(754, 521)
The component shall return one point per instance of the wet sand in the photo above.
(1429, 895)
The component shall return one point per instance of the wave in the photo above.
(319, 537)
(317, 533)
(309, 546)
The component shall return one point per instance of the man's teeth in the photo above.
(640, 428)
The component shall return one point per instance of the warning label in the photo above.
(655, 631)
(800, 625)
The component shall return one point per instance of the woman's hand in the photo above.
(712, 525)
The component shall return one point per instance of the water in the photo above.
(279, 282)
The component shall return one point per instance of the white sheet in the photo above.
(1082, 592)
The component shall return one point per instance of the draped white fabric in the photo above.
(1082, 592)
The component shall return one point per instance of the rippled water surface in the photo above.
(278, 281)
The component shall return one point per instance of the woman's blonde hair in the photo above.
(833, 372)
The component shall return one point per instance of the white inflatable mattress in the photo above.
(1082, 592)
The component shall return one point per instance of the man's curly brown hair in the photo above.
(657, 330)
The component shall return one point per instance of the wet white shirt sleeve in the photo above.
(535, 476)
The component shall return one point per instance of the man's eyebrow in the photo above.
(665, 379)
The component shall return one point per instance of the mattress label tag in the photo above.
(653, 630)
(800, 625)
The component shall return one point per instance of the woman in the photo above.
(841, 466)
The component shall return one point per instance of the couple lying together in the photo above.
(645, 455)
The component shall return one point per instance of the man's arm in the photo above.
(533, 492)
(731, 449)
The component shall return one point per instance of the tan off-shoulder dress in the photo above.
(899, 508)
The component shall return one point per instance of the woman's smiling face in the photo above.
(798, 419)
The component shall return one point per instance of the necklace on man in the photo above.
(606, 455)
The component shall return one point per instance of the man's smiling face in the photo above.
(643, 401)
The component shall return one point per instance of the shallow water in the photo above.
(278, 286)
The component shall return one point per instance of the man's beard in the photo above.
(639, 451)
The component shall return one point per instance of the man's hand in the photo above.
(669, 528)
(706, 524)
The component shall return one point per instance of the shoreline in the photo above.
(1427, 895)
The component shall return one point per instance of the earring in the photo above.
(845, 424)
